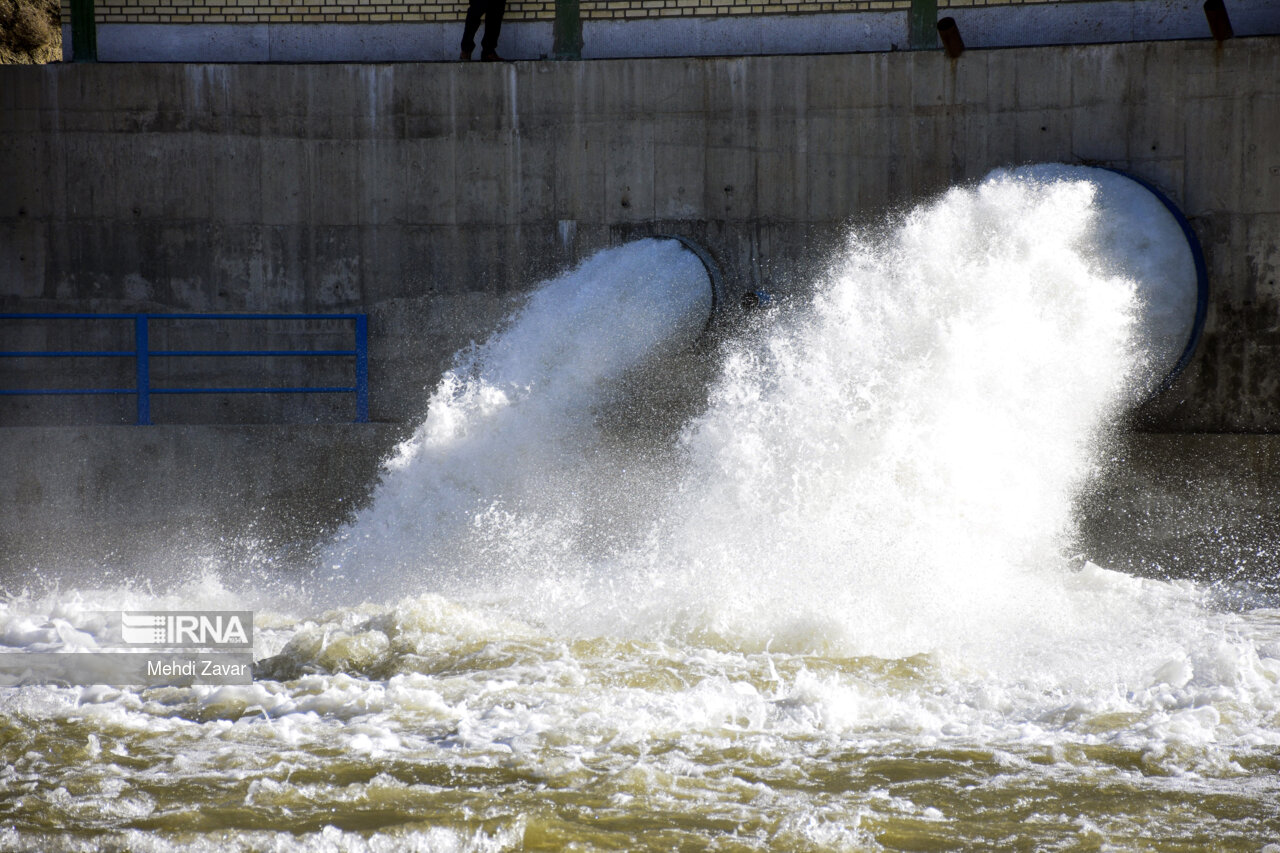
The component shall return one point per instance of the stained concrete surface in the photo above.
(433, 197)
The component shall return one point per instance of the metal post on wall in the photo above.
(1219, 21)
(922, 25)
(952, 43)
(142, 359)
(84, 32)
(362, 369)
(568, 31)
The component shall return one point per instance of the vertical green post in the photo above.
(923, 25)
(84, 32)
(568, 31)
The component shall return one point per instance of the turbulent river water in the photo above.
(827, 599)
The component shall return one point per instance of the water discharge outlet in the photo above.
(503, 422)
(715, 281)
(1140, 235)
(1166, 261)
(1215, 12)
(950, 35)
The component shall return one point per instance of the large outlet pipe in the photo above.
(1183, 296)
(1141, 235)
(715, 281)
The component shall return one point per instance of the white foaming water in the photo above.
(510, 448)
(843, 614)
(1135, 236)
(889, 468)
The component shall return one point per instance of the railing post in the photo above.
(362, 368)
(567, 31)
(922, 25)
(84, 32)
(142, 359)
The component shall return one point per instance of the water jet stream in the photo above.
(837, 608)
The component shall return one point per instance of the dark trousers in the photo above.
(491, 11)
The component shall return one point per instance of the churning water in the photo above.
(835, 606)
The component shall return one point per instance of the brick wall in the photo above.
(370, 30)
(374, 11)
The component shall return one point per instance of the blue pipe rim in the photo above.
(1202, 283)
(713, 274)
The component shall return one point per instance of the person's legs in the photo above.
(494, 10)
(475, 12)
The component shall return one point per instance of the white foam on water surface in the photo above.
(859, 551)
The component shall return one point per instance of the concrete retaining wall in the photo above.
(431, 196)
(1189, 506)
(87, 503)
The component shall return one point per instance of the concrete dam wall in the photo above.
(429, 195)
(432, 196)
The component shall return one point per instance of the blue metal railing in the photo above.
(142, 355)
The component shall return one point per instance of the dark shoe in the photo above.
(490, 56)
(466, 56)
